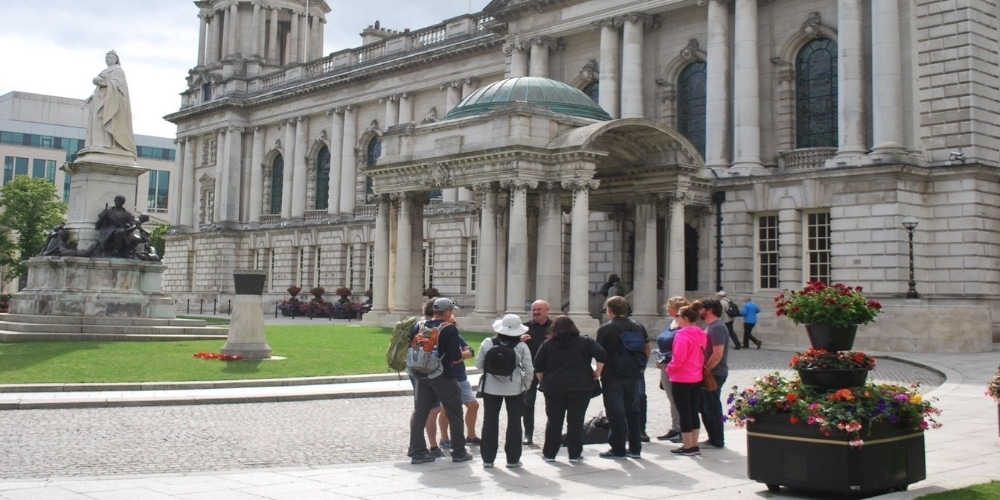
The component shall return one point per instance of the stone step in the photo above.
(110, 321)
(9, 336)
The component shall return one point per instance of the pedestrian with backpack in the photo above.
(627, 345)
(729, 314)
(507, 374)
(436, 339)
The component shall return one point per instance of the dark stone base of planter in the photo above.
(800, 456)
(832, 380)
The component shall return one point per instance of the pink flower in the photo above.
(856, 443)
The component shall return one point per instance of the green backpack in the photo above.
(399, 344)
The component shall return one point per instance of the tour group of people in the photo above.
(550, 355)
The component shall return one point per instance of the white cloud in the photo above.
(58, 49)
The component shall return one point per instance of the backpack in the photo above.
(605, 288)
(500, 360)
(423, 357)
(732, 310)
(630, 359)
(399, 344)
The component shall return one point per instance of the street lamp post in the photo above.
(911, 293)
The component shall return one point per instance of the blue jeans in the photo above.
(621, 405)
(711, 413)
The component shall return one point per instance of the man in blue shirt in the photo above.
(749, 312)
(444, 387)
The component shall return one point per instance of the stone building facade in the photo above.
(749, 145)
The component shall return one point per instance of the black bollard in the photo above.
(215, 304)
(188, 307)
(201, 306)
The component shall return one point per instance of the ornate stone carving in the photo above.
(691, 51)
(482, 187)
(373, 126)
(432, 116)
(810, 27)
(438, 176)
(580, 184)
(513, 184)
(648, 21)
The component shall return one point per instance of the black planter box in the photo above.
(800, 456)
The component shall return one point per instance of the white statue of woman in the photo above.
(110, 109)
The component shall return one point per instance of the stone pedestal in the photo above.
(94, 287)
(246, 329)
(98, 176)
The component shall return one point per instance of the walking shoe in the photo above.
(527, 441)
(759, 343)
(690, 452)
(465, 457)
(549, 459)
(421, 458)
(514, 465)
(576, 459)
(668, 436)
(473, 441)
(445, 443)
(713, 444)
(677, 439)
(436, 452)
(736, 347)
(610, 454)
(629, 454)
(644, 437)
(487, 465)
(678, 451)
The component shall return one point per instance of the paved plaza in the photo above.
(351, 441)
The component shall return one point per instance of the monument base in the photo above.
(246, 329)
(81, 286)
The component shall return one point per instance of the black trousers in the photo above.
(529, 407)
(747, 336)
(732, 334)
(428, 391)
(491, 427)
(570, 407)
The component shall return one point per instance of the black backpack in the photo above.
(630, 359)
(500, 360)
(733, 311)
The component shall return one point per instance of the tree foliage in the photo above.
(156, 238)
(29, 208)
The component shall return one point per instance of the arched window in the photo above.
(323, 179)
(691, 103)
(816, 95)
(593, 90)
(277, 182)
(371, 158)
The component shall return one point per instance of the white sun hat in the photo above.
(510, 326)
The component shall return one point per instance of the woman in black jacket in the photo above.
(563, 367)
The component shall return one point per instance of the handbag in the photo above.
(597, 391)
(708, 380)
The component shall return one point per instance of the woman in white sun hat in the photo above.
(507, 372)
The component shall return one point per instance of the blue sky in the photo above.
(56, 47)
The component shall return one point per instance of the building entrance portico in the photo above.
(537, 186)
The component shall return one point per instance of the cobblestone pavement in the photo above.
(203, 438)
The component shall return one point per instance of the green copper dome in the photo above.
(556, 96)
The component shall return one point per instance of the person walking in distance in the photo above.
(727, 319)
(749, 312)
(621, 390)
(507, 373)
(538, 329)
(716, 360)
(443, 387)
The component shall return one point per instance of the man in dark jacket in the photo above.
(621, 392)
(538, 328)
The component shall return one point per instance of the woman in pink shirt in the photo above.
(685, 373)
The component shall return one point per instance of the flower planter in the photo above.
(831, 380)
(800, 456)
(831, 338)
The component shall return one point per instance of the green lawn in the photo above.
(310, 351)
(983, 491)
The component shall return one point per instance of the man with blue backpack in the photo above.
(627, 344)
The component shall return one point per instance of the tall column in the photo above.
(255, 47)
(213, 38)
(336, 159)
(304, 47)
(517, 246)
(790, 242)
(380, 266)
(518, 58)
(644, 300)
(293, 40)
(175, 182)
(391, 110)
(608, 78)
(850, 80)
(579, 262)
(288, 158)
(548, 269)
(405, 108)
(272, 43)
(675, 282)
(220, 172)
(299, 179)
(746, 154)
(256, 174)
(416, 288)
(717, 91)
(632, 74)
(539, 64)
(223, 18)
(229, 204)
(348, 165)
(233, 28)
(486, 283)
(188, 202)
(501, 292)
(887, 79)
(202, 34)
(404, 251)
(453, 96)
